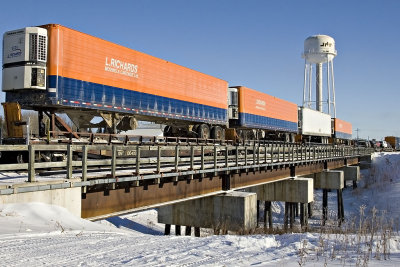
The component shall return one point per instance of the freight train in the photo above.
(55, 69)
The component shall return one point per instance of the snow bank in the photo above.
(39, 217)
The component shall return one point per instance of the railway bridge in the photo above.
(120, 177)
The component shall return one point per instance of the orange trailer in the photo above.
(342, 129)
(263, 111)
(87, 73)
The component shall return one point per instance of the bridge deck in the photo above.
(134, 176)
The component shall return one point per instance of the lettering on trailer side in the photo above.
(121, 67)
(260, 104)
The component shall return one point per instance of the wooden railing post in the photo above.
(113, 160)
(31, 164)
(265, 153)
(215, 161)
(202, 160)
(254, 154)
(313, 153)
(226, 159)
(272, 153)
(245, 155)
(292, 152)
(69, 161)
(137, 160)
(176, 158)
(279, 152)
(191, 161)
(176, 162)
(237, 158)
(84, 166)
(158, 159)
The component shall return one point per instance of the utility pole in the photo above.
(357, 130)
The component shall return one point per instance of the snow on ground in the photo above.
(37, 234)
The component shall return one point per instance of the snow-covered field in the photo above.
(35, 234)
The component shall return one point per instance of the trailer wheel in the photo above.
(203, 131)
(217, 132)
(292, 138)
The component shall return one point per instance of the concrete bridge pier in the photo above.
(167, 230)
(351, 173)
(231, 211)
(188, 230)
(365, 162)
(177, 230)
(291, 191)
(267, 214)
(330, 180)
(310, 208)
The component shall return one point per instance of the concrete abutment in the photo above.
(68, 198)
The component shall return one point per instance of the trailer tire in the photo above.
(218, 133)
(203, 131)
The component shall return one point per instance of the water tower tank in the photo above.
(319, 49)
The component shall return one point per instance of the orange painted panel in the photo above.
(257, 103)
(343, 126)
(80, 56)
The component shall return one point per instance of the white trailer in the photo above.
(313, 123)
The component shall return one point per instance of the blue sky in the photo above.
(257, 44)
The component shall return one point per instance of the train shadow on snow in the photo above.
(126, 223)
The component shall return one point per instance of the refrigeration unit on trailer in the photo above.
(314, 126)
(25, 59)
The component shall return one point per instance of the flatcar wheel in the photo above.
(167, 131)
(203, 131)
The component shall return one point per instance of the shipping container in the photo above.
(87, 72)
(393, 141)
(342, 129)
(314, 123)
(263, 111)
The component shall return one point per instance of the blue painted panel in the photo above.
(85, 92)
(341, 135)
(256, 121)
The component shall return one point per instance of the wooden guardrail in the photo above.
(156, 160)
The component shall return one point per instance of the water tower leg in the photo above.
(318, 93)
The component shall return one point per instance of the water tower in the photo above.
(319, 49)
